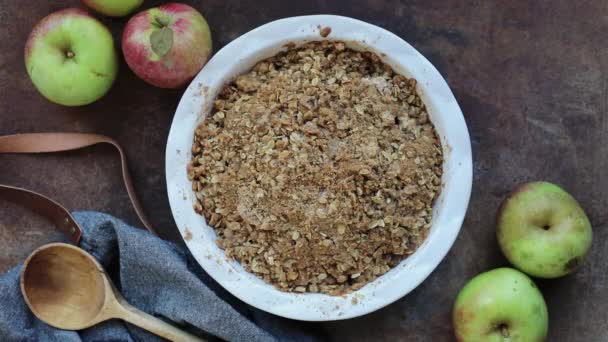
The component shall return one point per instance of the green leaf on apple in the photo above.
(161, 41)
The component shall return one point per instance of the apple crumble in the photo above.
(318, 169)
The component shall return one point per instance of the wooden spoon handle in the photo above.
(152, 324)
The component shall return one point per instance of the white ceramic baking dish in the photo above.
(449, 210)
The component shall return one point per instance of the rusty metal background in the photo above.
(530, 76)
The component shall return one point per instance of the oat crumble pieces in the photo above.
(318, 169)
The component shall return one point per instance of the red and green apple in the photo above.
(500, 305)
(70, 58)
(168, 45)
(543, 231)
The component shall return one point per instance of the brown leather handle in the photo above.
(56, 142)
(46, 207)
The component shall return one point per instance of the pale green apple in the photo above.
(71, 58)
(502, 305)
(113, 8)
(543, 230)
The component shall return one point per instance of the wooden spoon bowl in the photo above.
(63, 287)
(67, 288)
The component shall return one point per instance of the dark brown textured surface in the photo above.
(530, 76)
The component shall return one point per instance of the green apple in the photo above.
(113, 8)
(543, 230)
(500, 305)
(70, 58)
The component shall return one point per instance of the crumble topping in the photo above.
(318, 169)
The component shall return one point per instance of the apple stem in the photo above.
(70, 54)
(504, 330)
(161, 22)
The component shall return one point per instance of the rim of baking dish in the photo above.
(449, 210)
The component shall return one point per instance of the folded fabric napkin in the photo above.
(155, 276)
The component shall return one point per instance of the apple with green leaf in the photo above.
(70, 58)
(113, 8)
(500, 305)
(543, 231)
(168, 45)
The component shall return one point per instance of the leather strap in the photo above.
(57, 142)
(46, 207)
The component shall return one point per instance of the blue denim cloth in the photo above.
(155, 276)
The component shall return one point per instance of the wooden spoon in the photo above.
(67, 288)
